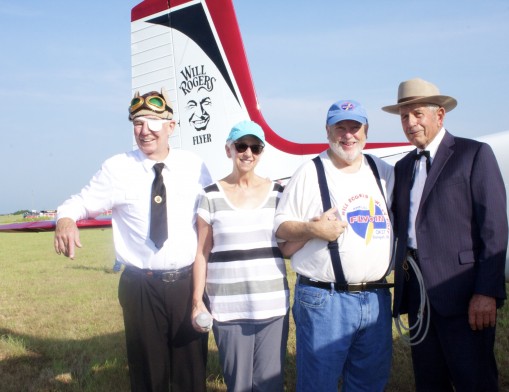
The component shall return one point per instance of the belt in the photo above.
(414, 253)
(349, 287)
(168, 276)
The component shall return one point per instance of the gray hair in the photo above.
(432, 106)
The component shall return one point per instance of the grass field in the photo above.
(61, 325)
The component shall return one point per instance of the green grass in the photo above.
(61, 325)
(10, 218)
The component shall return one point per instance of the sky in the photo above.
(65, 76)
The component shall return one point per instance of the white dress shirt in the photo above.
(418, 187)
(123, 185)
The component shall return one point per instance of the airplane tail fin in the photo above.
(194, 49)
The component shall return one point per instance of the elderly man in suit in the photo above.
(449, 207)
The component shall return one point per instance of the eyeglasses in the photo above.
(155, 103)
(153, 125)
(256, 149)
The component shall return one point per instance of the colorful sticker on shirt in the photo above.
(369, 221)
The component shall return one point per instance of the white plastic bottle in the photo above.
(204, 320)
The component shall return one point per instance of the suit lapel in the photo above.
(403, 189)
(404, 172)
(444, 152)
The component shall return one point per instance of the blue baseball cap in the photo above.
(346, 110)
(245, 128)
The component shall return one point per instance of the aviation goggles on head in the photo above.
(154, 125)
(256, 149)
(155, 103)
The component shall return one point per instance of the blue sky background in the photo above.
(65, 76)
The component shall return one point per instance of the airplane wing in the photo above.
(49, 225)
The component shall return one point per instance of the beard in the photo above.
(349, 156)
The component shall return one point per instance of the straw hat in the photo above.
(420, 91)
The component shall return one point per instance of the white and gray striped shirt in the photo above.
(246, 273)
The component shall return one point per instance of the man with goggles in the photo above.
(155, 288)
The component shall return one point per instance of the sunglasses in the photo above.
(256, 149)
(155, 103)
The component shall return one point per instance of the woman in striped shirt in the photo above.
(241, 269)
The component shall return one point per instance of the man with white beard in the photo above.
(336, 205)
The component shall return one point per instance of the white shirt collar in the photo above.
(433, 146)
(148, 163)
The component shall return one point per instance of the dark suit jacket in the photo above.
(461, 226)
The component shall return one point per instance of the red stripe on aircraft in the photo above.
(40, 226)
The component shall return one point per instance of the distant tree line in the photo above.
(21, 212)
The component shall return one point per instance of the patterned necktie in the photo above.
(158, 215)
(423, 153)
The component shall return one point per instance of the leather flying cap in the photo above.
(151, 104)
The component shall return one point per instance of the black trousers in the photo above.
(163, 349)
(452, 354)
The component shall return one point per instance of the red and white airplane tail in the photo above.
(194, 49)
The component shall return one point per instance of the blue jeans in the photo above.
(342, 334)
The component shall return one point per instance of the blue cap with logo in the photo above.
(245, 128)
(346, 110)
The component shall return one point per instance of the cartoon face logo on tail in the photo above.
(197, 87)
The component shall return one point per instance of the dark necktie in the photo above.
(158, 216)
(418, 157)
